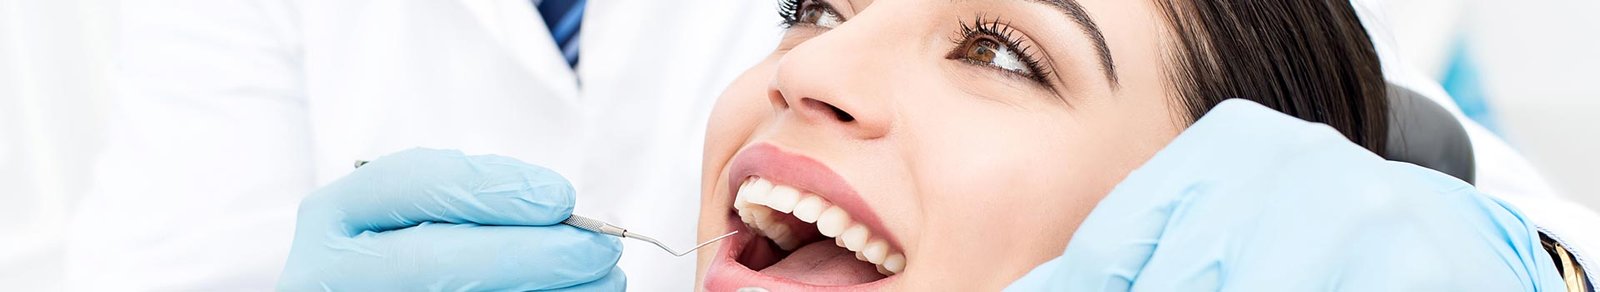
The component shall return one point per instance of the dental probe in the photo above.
(606, 228)
(602, 227)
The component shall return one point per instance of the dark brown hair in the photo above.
(1311, 59)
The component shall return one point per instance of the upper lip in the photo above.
(772, 163)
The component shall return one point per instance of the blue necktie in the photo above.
(563, 18)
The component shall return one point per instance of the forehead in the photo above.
(1134, 30)
(1136, 35)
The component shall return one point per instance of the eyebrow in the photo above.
(1075, 11)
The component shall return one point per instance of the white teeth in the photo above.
(759, 203)
(747, 217)
(810, 208)
(783, 198)
(757, 191)
(895, 263)
(788, 243)
(776, 230)
(854, 238)
(832, 222)
(876, 251)
(741, 200)
(761, 215)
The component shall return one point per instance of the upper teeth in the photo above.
(759, 200)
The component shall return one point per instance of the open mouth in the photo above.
(798, 232)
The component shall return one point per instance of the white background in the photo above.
(54, 55)
(1538, 59)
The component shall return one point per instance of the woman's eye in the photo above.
(821, 16)
(994, 45)
(813, 13)
(987, 51)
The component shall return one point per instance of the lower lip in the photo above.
(727, 274)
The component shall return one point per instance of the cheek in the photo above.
(1041, 166)
(741, 109)
(989, 180)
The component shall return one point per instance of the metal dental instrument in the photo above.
(602, 227)
(606, 228)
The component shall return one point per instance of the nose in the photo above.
(826, 82)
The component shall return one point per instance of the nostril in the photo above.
(837, 112)
(841, 115)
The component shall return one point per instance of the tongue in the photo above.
(824, 264)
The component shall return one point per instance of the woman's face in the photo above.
(952, 144)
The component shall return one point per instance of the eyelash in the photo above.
(1000, 30)
(790, 10)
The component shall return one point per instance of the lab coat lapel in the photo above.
(517, 27)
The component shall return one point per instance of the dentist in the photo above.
(230, 112)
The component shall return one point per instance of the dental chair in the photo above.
(1423, 133)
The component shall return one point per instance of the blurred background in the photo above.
(54, 59)
(1528, 70)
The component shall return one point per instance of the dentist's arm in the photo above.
(440, 220)
(1249, 199)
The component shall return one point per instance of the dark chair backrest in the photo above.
(1423, 133)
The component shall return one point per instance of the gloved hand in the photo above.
(439, 220)
(1249, 199)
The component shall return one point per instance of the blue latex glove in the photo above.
(439, 220)
(1249, 199)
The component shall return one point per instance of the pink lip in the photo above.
(773, 164)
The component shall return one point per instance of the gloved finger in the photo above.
(426, 185)
(1110, 248)
(1175, 187)
(494, 258)
(1041, 278)
(614, 281)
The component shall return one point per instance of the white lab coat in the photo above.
(230, 111)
